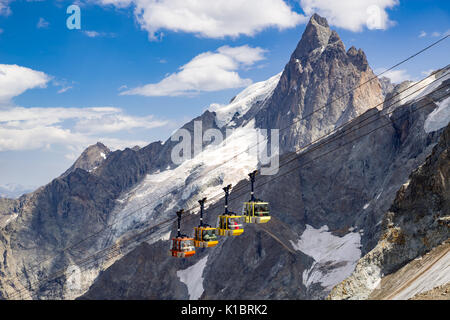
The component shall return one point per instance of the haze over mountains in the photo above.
(327, 204)
(10, 190)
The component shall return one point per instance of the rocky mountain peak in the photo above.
(317, 35)
(91, 158)
(358, 58)
(314, 85)
(316, 19)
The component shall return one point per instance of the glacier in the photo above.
(330, 251)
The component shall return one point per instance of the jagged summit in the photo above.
(314, 83)
(358, 58)
(317, 35)
(91, 158)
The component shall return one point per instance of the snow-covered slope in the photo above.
(240, 104)
(334, 257)
(204, 175)
(439, 118)
(410, 92)
(192, 277)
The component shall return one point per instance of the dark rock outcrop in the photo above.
(417, 221)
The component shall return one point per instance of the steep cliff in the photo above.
(321, 87)
(417, 222)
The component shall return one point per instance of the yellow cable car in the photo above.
(229, 224)
(182, 246)
(255, 211)
(205, 236)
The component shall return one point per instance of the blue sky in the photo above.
(64, 89)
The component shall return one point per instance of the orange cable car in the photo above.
(182, 246)
(205, 236)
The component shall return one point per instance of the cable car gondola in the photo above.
(229, 224)
(182, 245)
(255, 211)
(205, 236)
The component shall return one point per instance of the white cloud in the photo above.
(38, 128)
(209, 71)
(426, 73)
(4, 7)
(211, 19)
(352, 15)
(64, 84)
(116, 121)
(15, 80)
(91, 34)
(436, 34)
(42, 23)
(96, 34)
(396, 76)
(64, 89)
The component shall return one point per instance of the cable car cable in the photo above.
(218, 195)
(278, 176)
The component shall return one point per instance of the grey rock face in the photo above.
(394, 98)
(8, 209)
(386, 85)
(91, 158)
(314, 87)
(60, 215)
(417, 221)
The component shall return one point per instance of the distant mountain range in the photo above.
(11, 190)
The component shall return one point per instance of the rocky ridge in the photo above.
(417, 221)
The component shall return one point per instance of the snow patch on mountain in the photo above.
(419, 90)
(192, 277)
(439, 118)
(240, 104)
(334, 257)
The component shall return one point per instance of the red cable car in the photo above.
(182, 245)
